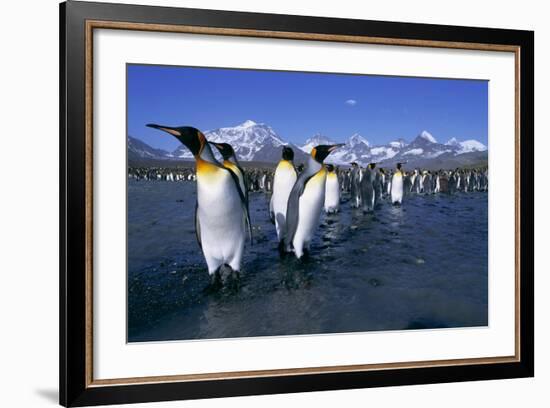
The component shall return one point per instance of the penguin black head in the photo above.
(288, 153)
(372, 165)
(191, 137)
(330, 168)
(353, 164)
(225, 149)
(320, 152)
(398, 166)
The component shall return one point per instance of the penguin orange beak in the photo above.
(167, 129)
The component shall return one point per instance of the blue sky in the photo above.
(298, 105)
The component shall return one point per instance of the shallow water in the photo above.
(422, 265)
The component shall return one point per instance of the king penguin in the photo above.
(332, 191)
(416, 183)
(397, 185)
(427, 182)
(355, 185)
(306, 201)
(437, 182)
(368, 194)
(222, 222)
(283, 181)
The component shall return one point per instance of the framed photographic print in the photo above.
(255, 203)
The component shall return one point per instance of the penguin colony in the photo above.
(299, 195)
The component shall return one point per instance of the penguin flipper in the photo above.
(245, 182)
(293, 207)
(249, 226)
(197, 226)
(271, 212)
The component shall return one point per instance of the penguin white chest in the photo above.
(284, 179)
(221, 219)
(332, 193)
(283, 182)
(397, 188)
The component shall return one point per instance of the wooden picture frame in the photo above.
(78, 20)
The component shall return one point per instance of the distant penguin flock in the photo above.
(369, 186)
(298, 195)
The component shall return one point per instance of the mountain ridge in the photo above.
(259, 142)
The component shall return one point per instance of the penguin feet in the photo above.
(234, 278)
(226, 273)
(305, 257)
(224, 277)
(283, 252)
(230, 278)
(284, 249)
(215, 282)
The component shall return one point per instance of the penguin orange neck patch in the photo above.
(206, 169)
(286, 164)
(227, 163)
(231, 166)
(320, 175)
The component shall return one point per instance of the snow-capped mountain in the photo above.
(356, 140)
(427, 136)
(381, 153)
(258, 142)
(398, 144)
(315, 140)
(357, 148)
(251, 141)
(141, 150)
(466, 146)
(424, 146)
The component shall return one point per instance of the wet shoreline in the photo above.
(421, 265)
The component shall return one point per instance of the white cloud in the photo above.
(351, 102)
